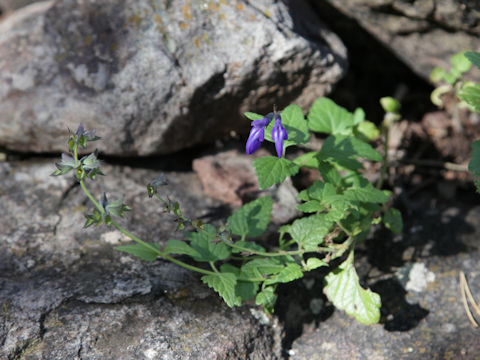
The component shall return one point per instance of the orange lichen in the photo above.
(135, 19)
(157, 18)
(240, 7)
(183, 25)
(197, 42)
(223, 2)
(252, 17)
(187, 12)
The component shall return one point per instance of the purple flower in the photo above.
(279, 134)
(257, 134)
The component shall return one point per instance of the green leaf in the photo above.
(450, 78)
(179, 247)
(295, 125)
(272, 170)
(309, 232)
(327, 117)
(344, 291)
(267, 298)
(202, 242)
(470, 93)
(245, 289)
(308, 160)
(474, 58)
(363, 191)
(437, 74)
(389, 104)
(366, 131)
(258, 268)
(474, 164)
(291, 272)
(252, 218)
(393, 220)
(358, 116)
(252, 116)
(247, 245)
(141, 251)
(460, 62)
(311, 206)
(330, 174)
(224, 285)
(314, 263)
(343, 150)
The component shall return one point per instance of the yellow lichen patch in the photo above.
(252, 17)
(183, 25)
(223, 2)
(213, 6)
(222, 16)
(135, 19)
(88, 40)
(187, 11)
(267, 13)
(240, 7)
(157, 18)
(197, 42)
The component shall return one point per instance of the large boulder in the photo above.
(156, 76)
(66, 293)
(423, 34)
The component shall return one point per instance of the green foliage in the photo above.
(393, 220)
(337, 212)
(474, 58)
(251, 219)
(470, 93)
(272, 170)
(474, 164)
(147, 251)
(344, 291)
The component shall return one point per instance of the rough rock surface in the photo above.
(156, 76)
(65, 293)
(423, 33)
(423, 316)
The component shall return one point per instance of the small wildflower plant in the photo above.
(338, 211)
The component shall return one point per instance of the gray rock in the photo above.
(66, 293)
(156, 76)
(424, 34)
(10, 5)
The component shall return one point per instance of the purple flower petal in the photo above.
(278, 135)
(255, 139)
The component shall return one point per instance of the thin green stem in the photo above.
(90, 196)
(212, 265)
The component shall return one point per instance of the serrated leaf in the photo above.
(224, 284)
(266, 298)
(251, 219)
(290, 272)
(460, 62)
(311, 206)
(314, 263)
(327, 117)
(272, 170)
(179, 247)
(474, 164)
(330, 174)
(393, 220)
(203, 243)
(247, 245)
(474, 58)
(295, 124)
(258, 268)
(343, 150)
(252, 116)
(471, 95)
(245, 289)
(344, 291)
(309, 232)
(363, 191)
(308, 160)
(141, 251)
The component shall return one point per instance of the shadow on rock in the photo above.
(396, 313)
